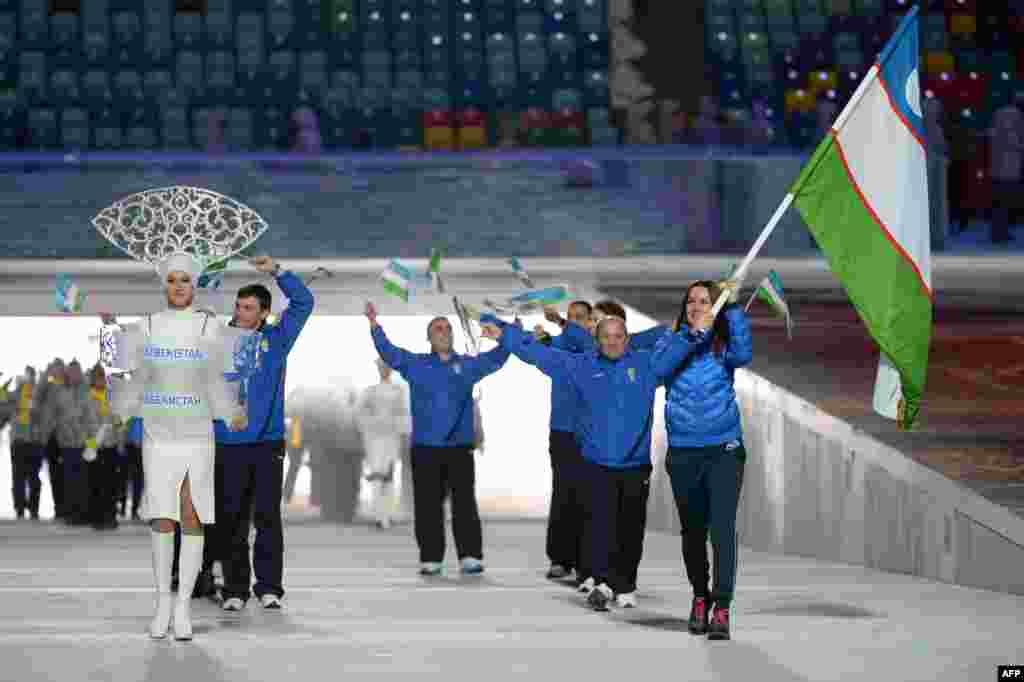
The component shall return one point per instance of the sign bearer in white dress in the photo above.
(177, 360)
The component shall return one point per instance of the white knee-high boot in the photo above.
(163, 560)
(189, 563)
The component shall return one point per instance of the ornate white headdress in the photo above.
(179, 228)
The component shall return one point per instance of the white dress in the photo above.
(178, 360)
(383, 418)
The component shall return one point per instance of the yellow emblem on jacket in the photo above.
(265, 346)
(632, 374)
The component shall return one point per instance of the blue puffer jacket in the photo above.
(700, 403)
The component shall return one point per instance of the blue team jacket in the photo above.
(700, 401)
(616, 397)
(441, 393)
(576, 339)
(265, 391)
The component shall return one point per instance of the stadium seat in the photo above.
(219, 25)
(42, 126)
(128, 86)
(472, 129)
(534, 123)
(32, 78)
(189, 72)
(312, 75)
(280, 23)
(188, 29)
(156, 83)
(64, 86)
(34, 31)
(438, 130)
(220, 73)
(74, 130)
(64, 33)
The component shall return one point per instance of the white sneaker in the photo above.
(270, 601)
(472, 566)
(626, 600)
(587, 586)
(233, 604)
(430, 568)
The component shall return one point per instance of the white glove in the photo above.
(90, 454)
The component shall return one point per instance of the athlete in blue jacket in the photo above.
(569, 527)
(441, 392)
(250, 463)
(705, 456)
(616, 386)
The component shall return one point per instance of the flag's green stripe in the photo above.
(881, 283)
(396, 289)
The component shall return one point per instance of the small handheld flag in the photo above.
(770, 291)
(68, 297)
(397, 280)
(435, 271)
(517, 268)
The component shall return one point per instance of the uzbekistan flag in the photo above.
(68, 297)
(771, 292)
(864, 196)
(397, 279)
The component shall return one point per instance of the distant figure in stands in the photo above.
(707, 126)
(305, 132)
(383, 418)
(1007, 159)
(825, 111)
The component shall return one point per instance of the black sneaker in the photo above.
(557, 572)
(718, 628)
(599, 597)
(698, 624)
(204, 586)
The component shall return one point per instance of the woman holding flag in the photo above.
(705, 456)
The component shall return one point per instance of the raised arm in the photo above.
(648, 339)
(673, 349)
(576, 339)
(740, 350)
(300, 307)
(396, 358)
(487, 363)
(555, 363)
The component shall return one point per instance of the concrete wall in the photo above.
(814, 486)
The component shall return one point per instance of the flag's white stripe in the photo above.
(392, 276)
(889, 167)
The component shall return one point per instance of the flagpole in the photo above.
(787, 201)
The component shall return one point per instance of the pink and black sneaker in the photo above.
(698, 624)
(718, 628)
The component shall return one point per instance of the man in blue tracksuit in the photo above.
(441, 392)
(570, 518)
(250, 463)
(616, 386)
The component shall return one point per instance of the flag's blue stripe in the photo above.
(900, 72)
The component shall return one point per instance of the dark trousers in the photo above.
(250, 478)
(130, 478)
(568, 493)
(55, 470)
(435, 473)
(706, 484)
(26, 462)
(102, 478)
(618, 507)
(76, 485)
